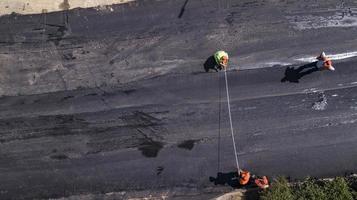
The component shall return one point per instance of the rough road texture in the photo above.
(96, 102)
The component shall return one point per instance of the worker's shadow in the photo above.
(230, 179)
(210, 63)
(294, 74)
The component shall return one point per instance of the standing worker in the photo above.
(324, 62)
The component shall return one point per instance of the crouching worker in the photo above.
(324, 62)
(217, 61)
(245, 179)
(221, 58)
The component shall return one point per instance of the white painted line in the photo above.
(343, 55)
(313, 90)
(339, 56)
(272, 64)
(263, 65)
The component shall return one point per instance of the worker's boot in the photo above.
(331, 68)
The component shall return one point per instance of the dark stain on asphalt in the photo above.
(59, 157)
(85, 52)
(57, 36)
(150, 148)
(129, 91)
(159, 170)
(187, 144)
(230, 18)
(190, 113)
(91, 94)
(69, 56)
(182, 9)
(67, 97)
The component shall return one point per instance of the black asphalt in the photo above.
(169, 131)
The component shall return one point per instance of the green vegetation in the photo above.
(312, 189)
(279, 190)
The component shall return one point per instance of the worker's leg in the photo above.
(319, 64)
(307, 67)
(210, 63)
(218, 67)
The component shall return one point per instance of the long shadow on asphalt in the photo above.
(293, 75)
(230, 179)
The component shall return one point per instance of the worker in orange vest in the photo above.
(244, 177)
(324, 62)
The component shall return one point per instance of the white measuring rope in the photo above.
(230, 120)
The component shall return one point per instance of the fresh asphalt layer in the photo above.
(164, 132)
(69, 131)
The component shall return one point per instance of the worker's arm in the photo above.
(224, 64)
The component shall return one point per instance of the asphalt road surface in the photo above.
(118, 101)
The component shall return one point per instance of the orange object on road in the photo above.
(262, 183)
(244, 177)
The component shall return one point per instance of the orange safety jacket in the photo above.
(244, 177)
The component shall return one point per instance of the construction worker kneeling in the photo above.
(245, 179)
(221, 58)
(217, 61)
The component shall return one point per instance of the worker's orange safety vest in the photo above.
(244, 177)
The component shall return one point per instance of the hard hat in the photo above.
(323, 54)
